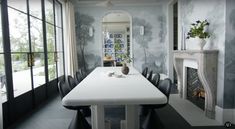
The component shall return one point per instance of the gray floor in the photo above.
(190, 112)
(52, 115)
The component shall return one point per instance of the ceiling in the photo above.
(116, 17)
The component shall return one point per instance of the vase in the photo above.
(125, 69)
(195, 43)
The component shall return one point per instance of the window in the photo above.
(27, 43)
(2, 68)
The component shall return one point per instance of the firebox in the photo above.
(195, 91)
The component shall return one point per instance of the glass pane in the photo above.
(18, 31)
(18, 4)
(59, 39)
(38, 70)
(58, 13)
(2, 79)
(36, 35)
(60, 64)
(50, 38)
(49, 11)
(51, 66)
(20, 69)
(35, 8)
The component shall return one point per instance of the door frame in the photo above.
(131, 34)
(171, 37)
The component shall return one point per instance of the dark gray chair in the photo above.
(79, 120)
(72, 82)
(149, 121)
(78, 77)
(156, 79)
(145, 72)
(150, 76)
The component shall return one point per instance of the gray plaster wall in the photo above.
(229, 81)
(214, 11)
(148, 50)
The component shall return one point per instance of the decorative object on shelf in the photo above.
(91, 31)
(125, 58)
(197, 35)
(141, 30)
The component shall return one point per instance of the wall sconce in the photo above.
(90, 31)
(141, 30)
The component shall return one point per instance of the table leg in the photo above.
(132, 116)
(97, 117)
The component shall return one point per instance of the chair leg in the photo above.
(152, 121)
(79, 122)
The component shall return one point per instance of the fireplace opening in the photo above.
(195, 91)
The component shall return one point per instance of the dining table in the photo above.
(108, 86)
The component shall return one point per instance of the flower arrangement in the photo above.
(198, 30)
(125, 58)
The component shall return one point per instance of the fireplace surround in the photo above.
(205, 61)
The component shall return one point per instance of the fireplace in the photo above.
(195, 91)
(205, 62)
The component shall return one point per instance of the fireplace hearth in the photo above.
(195, 90)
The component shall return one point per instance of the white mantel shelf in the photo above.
(207, 71)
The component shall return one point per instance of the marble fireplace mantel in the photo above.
(207, 71)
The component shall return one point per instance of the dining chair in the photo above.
(78, 77)
(155, 80)
(71, 81)
(83, 73)
(148, 122)
(150, 75)
(79, 120)
(145, 72)
(63, 88)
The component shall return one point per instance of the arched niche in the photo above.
(116, 37)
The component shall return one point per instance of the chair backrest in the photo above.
(156, 79)
(165, 87)
(145, 72)
(150, 76)
(64, 89)
(83, 73)
(78, 77)
(72, 82)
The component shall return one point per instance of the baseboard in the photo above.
(224, 115)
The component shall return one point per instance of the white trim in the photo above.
(224, 115)
(131, 34)
(170, 42)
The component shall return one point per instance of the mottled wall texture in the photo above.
(148, 50)
(214, 11)
(229, 81)
(221, 15)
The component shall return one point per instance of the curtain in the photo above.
(71, 62)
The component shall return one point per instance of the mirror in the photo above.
(116, 38)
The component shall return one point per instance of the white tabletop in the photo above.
(99, 89)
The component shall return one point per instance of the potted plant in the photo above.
(125, 58)
(198, 34)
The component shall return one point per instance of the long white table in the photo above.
(131, 90)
